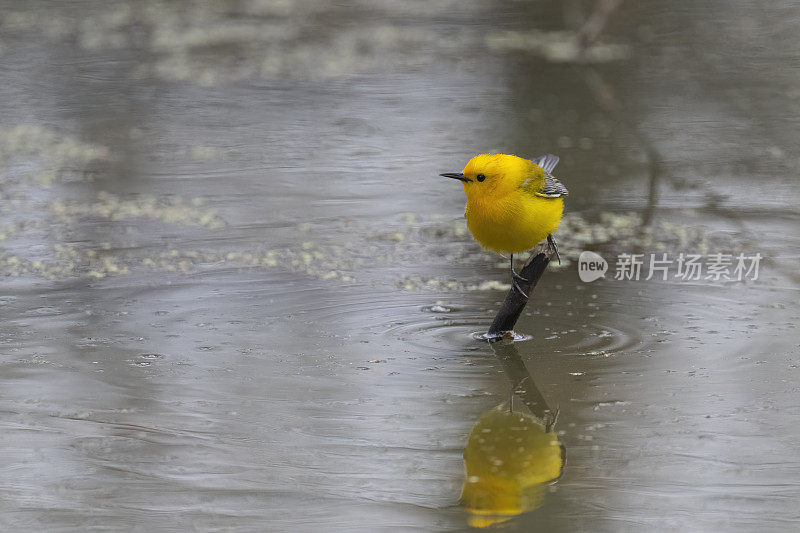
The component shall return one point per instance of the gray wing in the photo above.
(552, 187)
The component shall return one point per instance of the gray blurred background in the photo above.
(237, 296)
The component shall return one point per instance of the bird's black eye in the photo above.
(480, 177)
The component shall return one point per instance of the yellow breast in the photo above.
(515, 223)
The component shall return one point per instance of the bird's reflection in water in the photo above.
(512, 451)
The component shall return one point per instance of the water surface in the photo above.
(236, 296)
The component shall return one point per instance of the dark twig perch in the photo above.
(523, 384)
(515, 302)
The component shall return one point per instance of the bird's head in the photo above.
(492, 176)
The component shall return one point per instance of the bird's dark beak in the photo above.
(455, 176)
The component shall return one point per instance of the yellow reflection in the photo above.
(511, 453)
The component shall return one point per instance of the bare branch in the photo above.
(515, 302)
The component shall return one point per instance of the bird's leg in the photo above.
(552, 242)
(515, 278)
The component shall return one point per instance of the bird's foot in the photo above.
(552, 242)
(515, 279)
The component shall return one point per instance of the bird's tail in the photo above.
(547, 162)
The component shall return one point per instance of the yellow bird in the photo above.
(509, 457)
(512, 203)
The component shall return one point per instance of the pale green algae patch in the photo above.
(35, 155)
(171, 209)
(34, 162)
(28, 140)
